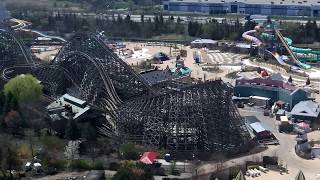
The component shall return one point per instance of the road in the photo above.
(285, 151)
(23, 26)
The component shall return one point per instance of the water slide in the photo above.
(303, 51)
(294, 57)
(300, 52)
(278, 58)
(247, 35)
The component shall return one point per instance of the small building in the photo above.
(260, 132)
(285, 125)
(279, 114)
(306, 110)
(69, 107)
(284, 120)
(315, 151)
(204, 43)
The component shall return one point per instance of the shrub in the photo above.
(80, 164)
(52, 143)
(128, 151)
(97, 165)
(114, 166)
(24, 151)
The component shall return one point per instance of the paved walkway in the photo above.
(224, 58)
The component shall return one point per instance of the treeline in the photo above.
(302, 34)
(218, 31)
(117, 26)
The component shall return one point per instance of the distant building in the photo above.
(306, 110)
(204, 43)
(69, 107)
(268, 7)
(270, 88)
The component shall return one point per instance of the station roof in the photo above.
(306, 108)
(79, 107)
(266, 82)
(257, 127)
(73, 99)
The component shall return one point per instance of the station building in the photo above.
(270, 88)
(267, 7)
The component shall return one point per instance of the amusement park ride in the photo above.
(269, 40)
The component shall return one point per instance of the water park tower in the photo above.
(267, 40)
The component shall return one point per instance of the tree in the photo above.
(142, 18)
(132, 171)
(71, 151)
(24, 88)
(128, 151)
(308, 81)
(9, 160)
(12, 121)
(72, 131)
(290, 79)
(2, 157)
(89, 133)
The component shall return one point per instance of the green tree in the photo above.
(89, 133)
(128, 151)
(2, 157)
(308, 81)
(10, 160)
(12, 122)
(290, 79)
(142, 18)
(24, 88)
(72, 131)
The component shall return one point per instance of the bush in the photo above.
(24, 151)
(97, 165)
(114, 166)
(129, 152)
(52, 143)
(80, 164)
(53, 166)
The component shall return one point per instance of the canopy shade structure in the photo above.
(149, 157)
